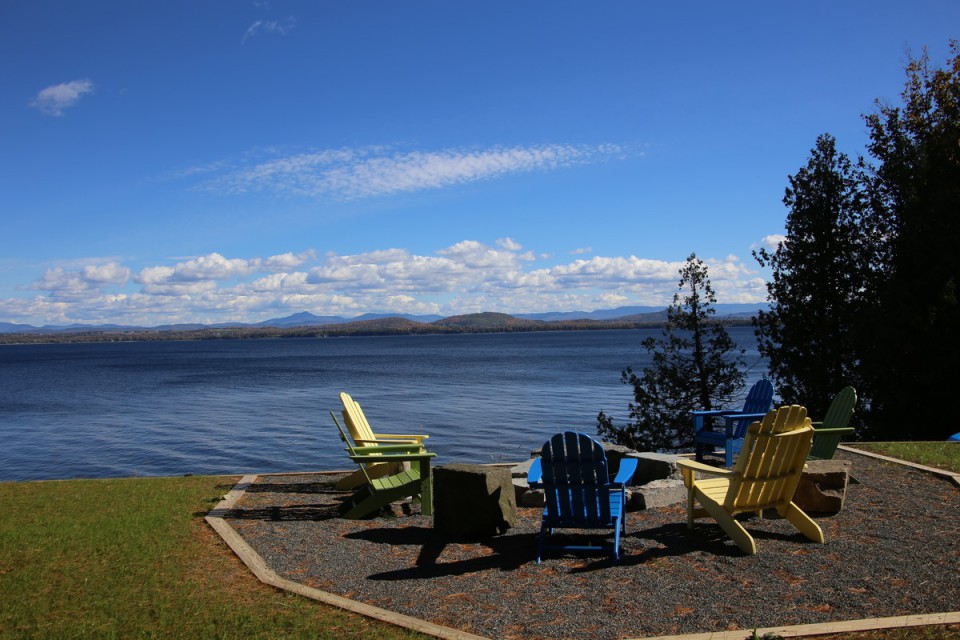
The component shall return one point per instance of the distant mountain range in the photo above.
(635, 314)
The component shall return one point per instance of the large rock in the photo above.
(657, 493)
(655, 466)
(471, 501)
(823, 486)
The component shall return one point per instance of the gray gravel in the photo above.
(893, 550)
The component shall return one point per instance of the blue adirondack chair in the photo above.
(572, 471)
(707, 438)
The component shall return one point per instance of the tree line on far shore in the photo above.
(864, 290)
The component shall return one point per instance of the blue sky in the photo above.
(212, 161)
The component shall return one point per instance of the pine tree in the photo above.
(696, 365)
(916, 199)
(818, 273)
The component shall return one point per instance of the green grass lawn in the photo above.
(942, 455)
(134, 558)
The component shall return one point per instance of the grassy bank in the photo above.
(134, 558)
(942, 455)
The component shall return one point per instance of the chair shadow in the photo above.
(311, 512)
(676, 539)
(510, 552)
(294, 487)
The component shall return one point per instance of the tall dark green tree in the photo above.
(696, 365)
(865, 288)
(816, 291)
(915, 190)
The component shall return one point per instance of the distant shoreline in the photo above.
(473, 323)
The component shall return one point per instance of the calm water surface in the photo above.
(258, 406)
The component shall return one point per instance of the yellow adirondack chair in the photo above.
(364, 436)
(765, 476)
(374, 493)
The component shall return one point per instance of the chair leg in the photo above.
(728, 451)
(730, 526)
(616, 542)
(802, 522)
(543, 530)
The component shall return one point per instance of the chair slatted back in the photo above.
(758, 400)
(574, 480)
(771, 460)
(355, 420)
(841, 409)
(350, 447)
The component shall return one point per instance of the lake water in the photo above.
(258, 406)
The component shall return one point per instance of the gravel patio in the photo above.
(893, 550)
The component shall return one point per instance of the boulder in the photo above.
(471, 501)
(657, 493)
(655, 466)
(823, 486)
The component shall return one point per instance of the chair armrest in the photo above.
(535, 473)
(400, 436)
(693, 465)
(389, 449)
(410, 444)
(627, 468)
(841, 430)
(689, 467)
(403, 457)
(731, 417)
(714, 412)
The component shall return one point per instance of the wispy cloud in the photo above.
(349, 174)
(56, 99)
(465, 277)
(278, 27)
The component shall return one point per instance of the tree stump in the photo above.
(473, 501)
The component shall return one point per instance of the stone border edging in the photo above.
(265, 574)
(949, 475)
(824, 628)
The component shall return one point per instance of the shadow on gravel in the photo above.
(294, 487)
(507, 552)
(289, 513)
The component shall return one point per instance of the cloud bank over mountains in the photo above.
(466, 277)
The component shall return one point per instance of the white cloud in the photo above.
(349, 174)
(109, 273)
(209, 267)
(56, 99)
(287, 261)
(464, 277)
(770, 242)
(279, 27)
(581, 251)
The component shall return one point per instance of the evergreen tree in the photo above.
(915, 192)
(696, 365)
(865, 287)
(816, 291)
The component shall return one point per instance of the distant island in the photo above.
(307, 325)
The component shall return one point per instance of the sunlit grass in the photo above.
(942, 455)
(134, 558)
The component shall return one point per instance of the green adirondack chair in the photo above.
(379, 492)
(828, 433)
